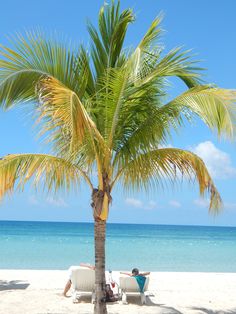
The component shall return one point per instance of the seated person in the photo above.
(68, 284)
(140, 277)
(135, 272)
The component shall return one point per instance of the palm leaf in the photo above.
(152, 34)
(175, 63)
(53, 172)
(152, 131)
(107, 46)
(62, 111)
(215, 106)
(34, 56)
(151, 168)
(148, 65)
(142, 58)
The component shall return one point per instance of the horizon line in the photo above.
(123, 223)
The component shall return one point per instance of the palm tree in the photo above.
(106, 111)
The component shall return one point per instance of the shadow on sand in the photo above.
(209, 311)
(13, 285)
(162, 307)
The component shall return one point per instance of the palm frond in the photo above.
(176, 63)
(151, 131)
(17, 86)
(215, 106)
(122, 108)
(144, 58)
(152, 34)
(52, 172)
(148, 63)
(33, 56)
(107, 45)
(106, 109)
(62, 111)
(151, 168)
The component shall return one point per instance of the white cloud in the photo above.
(134, 202)
(218, 162)
(202, 202)
(151, 205)
(57, 202)
(139, 204)
(174, 203)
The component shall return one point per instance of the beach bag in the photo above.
(109, 294)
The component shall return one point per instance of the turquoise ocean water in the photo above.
(57, 245)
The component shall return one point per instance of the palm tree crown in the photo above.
(106, 109)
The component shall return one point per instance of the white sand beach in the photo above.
(40, 292)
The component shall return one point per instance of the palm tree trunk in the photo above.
(100, 280)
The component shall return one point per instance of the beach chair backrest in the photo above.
(129, 284)
(83, 279)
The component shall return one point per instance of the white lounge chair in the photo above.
(129, 286)
(83, 282)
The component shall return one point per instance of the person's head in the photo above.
(135, 271)
(107, 287)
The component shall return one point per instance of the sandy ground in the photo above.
(40, 292)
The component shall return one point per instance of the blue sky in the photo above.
(208, 27)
